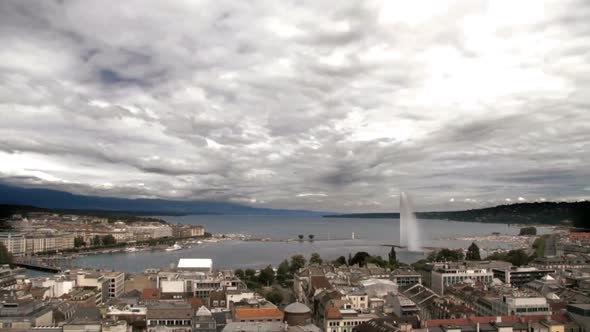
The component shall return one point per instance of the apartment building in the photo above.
(116, 283)
(14, 242)
(48, 242)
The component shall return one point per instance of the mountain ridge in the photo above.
(62, 200)
(549, 213)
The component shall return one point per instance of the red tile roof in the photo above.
(487, 319)
(151, 294)
(318, 282)
(579, 235)
(257, 313)
(195, 302)
(333, 313)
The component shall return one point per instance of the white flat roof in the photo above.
(195, 263)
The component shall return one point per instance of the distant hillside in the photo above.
(550, 213)
(60, 200)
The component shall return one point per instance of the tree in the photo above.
(449, 255)
(392, 256)
(340, 261)
(315, 259)
(311, 236)
(79, 242)
(267, 276)
(240, 274)
(249, 274)
(283, 271)
(539, 245)
(297, 262)
(473, 253)
(275, 296)
(377, 260)
(300, 237)
(518, 257)
(349, 259)
(420, 264)
(528, 231)
(360, 258)
(96, 240)
(5, 256)
(108, 240)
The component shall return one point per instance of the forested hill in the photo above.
(551, 213)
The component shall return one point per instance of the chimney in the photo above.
(477, 327)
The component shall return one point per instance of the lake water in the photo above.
(370, 235)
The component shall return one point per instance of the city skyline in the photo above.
(320, 106)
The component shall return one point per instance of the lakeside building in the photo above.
(14, 242)
(184, 230)
(37, 243)
(204, 265)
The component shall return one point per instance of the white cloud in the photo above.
(311, 194)
(352, 102)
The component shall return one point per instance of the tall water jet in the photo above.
(409, 234)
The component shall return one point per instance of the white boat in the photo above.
(199, 242)
(131, 249)
(174, 247)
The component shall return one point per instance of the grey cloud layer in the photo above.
(298, 104)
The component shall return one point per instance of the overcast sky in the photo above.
(323, 105)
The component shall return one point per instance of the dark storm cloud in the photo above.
(309, 104)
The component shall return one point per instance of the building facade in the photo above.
(518, 277)
(444, 277)
(116, 283)
(15, 243)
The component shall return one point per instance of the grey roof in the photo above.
(297, 308)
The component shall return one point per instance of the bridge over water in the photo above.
(43, 265)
